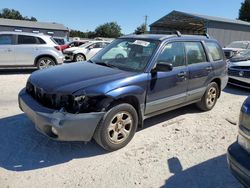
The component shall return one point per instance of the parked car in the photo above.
(85, 51)
(235, 48)
(239, 74)
(109, 98)
(28, 49)
(242, 56)
(238, 153)
(73, 44)
(60, 40)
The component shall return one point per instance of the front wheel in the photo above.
(79, 57)
(210, 97)
(117, 127)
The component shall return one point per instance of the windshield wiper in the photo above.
(90, 61)
(105, 64)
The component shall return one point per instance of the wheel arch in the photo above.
(218, 82)
(44, 55)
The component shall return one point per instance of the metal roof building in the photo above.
(54, 29)
(222, 29)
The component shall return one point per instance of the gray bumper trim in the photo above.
(70, 127)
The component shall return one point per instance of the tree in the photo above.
(244, 12)
(109, 30)
(141, 29)
(14, 14)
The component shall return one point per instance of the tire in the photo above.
(117, 127)
(45, 62)
(119, 56)
(79, 57)
(209, 98)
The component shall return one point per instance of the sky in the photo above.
(86, 15)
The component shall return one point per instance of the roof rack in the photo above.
(178, 33)
(207, 35)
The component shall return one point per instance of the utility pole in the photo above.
(146, 22)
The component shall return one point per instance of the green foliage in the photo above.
(14, 14)
(108, 30)
(142, 29)
(244, 12)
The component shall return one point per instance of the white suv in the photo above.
(29, 49)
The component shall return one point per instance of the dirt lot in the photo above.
(183, 148)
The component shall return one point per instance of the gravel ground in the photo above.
(182, 148)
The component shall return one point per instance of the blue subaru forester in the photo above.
(133, 78)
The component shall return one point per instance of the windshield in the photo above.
(85, 44)
(127, 54)
(239, 44)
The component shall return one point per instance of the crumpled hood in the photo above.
(239, 58)
(69, 78)
(233, 49)
(241, 63)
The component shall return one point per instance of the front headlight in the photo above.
(244, 143)
(79, 98)
(244, 108)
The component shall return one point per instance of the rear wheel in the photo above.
(117, 127)
(45, 62)
(79, 57)
(210, 97)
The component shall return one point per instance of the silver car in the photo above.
(29, 49)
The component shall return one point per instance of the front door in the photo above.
(168, 89)
(7, 56)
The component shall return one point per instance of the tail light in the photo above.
(58, 48)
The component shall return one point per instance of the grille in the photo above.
(52, 101)
(236, 72)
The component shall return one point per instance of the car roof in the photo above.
(23, 33)
(162, 37)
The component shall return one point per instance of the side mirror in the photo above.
(90, 47)
(162, 67)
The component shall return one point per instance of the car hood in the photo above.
(233, 49)
(69, 78)
(241, 64)
(71, 49)
(239, 58)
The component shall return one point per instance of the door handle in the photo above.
(9, 50)
(209, 68)
(182, 74)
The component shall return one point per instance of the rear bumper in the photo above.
(60, 59)
(239, 163)
(69, 127)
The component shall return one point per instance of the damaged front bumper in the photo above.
(59, 125)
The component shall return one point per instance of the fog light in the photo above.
(54, 131)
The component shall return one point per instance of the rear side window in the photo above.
(195, 52)
(23, 39)
(41, 41)
(6, 39)
(173, 53)
(215, 51)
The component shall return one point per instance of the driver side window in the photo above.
(173, 53)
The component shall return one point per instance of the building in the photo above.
(222, 29)
(53, 29)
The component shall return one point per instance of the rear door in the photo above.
(7, 56)
(26, 49)
(168, 89)
(199, 68)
